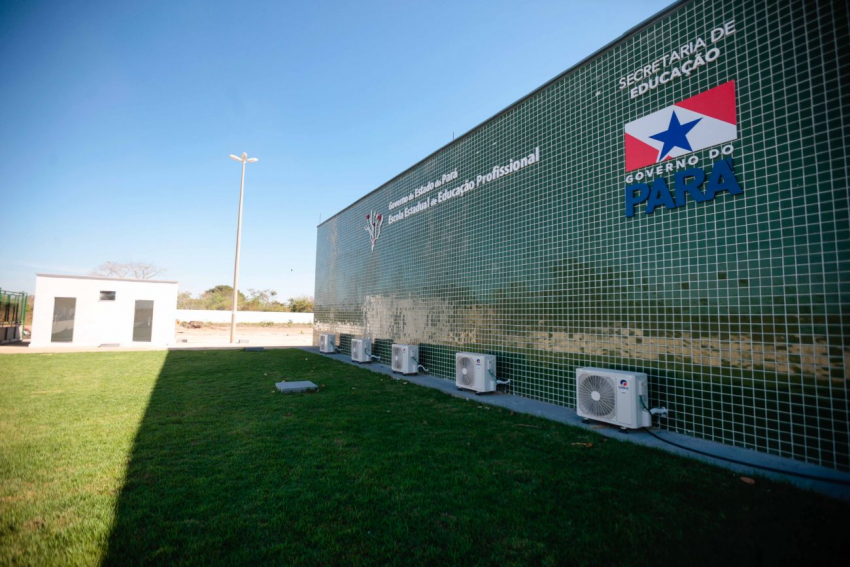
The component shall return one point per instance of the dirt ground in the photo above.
(258, 334)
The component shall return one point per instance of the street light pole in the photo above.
(244, 159)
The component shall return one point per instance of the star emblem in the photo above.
(676, 136)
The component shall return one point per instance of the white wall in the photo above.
(99, 322)
(209, 316)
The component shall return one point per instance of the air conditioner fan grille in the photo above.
(396, 357)
(466, 371)
(596, 395)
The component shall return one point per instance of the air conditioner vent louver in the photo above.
(596, 396)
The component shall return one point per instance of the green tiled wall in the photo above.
(738, 309)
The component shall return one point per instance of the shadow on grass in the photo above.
(370, 470)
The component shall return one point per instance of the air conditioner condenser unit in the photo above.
(361, 350)
(326, 344)
(613, 396)
(476, 372)
(405, 359)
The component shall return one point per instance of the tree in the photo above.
(301, 304)
(224, 289)
(263, 300)
(135, 270)
(220, 298)
(186, 301)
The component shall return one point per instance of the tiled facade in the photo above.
(737, 308)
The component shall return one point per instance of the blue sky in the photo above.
(117, 118)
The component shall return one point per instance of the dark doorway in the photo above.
(143, 321)
(64, 309)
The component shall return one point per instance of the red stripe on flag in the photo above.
(718, 103)
(639, 154)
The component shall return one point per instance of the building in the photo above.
(90, 311)
(675, 204)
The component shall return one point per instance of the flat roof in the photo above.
(594, 55)
(102, 278)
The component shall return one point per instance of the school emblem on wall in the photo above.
(373, 227)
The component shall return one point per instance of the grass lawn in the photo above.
(193, 458)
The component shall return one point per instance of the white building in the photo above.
(87, 311)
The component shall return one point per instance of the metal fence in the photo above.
(13, 313)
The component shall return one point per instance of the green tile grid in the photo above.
(738, 309)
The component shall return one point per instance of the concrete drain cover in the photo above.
(294, 387)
